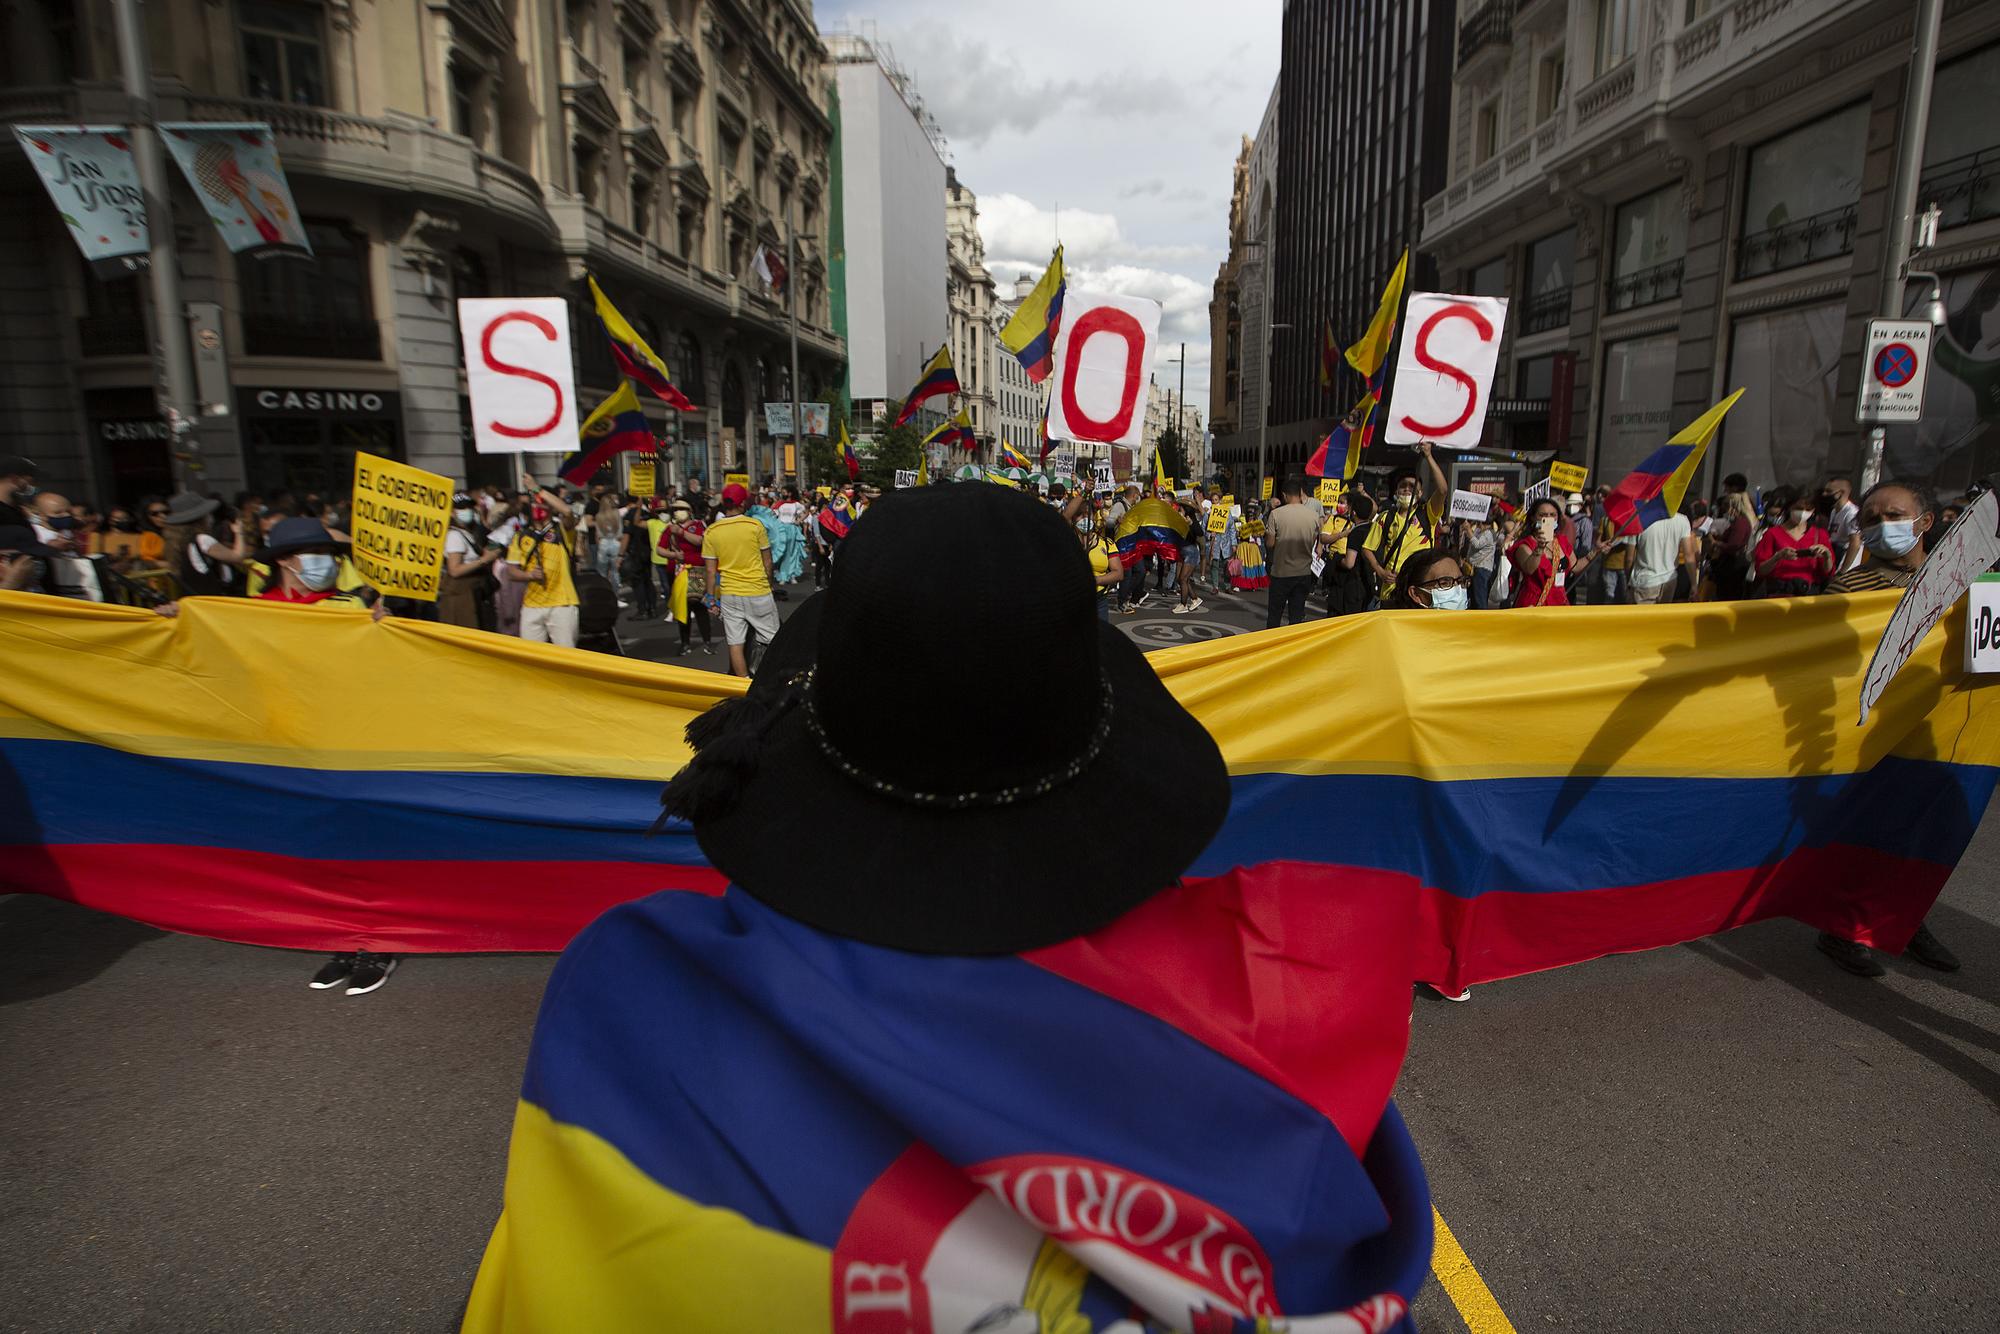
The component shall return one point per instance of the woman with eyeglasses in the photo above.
(1434, 580)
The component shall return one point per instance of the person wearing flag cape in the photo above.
(983, 1069)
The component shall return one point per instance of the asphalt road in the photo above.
(1727, 1135)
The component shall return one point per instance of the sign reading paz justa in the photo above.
(1102, 357)
(1444, 368)
(518, 373)
(401, 516)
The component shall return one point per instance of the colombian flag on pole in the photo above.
(1346, 441)
(1653, 490)
(1031, 334)
(616, 426)
(849, 457)
(957, 434)
(634, 358)
(1372, 350)
(938, 378)
(1047, 443)
(1011, 457)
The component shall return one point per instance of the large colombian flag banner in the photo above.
(1548, 786)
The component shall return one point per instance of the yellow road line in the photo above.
(1461, 1282)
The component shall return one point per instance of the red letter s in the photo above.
(1428, 362)
(547, 331)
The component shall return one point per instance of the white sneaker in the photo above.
(1182, 610)
(1461, 997)
(1194, 605)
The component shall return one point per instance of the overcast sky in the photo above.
(1126, 114)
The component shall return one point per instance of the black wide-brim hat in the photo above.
(957, 654)
(290, 536)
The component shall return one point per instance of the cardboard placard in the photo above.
(401, 516)
(1101, 359)
(1444, 368)
(905, 478)
(1471, 505)
(518, 373)
(642, 482)
(1568, 476)
(1331, 489)
(741, 479)
(1270, 483)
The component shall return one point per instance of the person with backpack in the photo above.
(1410, 518)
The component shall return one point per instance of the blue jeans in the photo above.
(606, 560)
(1482, 589)
(1614, 586)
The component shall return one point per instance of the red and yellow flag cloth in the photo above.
(315, 780)
(634, 358)
(938, 378)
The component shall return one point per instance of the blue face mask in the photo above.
(317, 570)
(1892, 537)
(1451, 599)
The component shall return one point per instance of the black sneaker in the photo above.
(370, 972)
(1929, 951)
(333, 972)
(1856, 959)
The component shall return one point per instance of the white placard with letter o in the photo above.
(518, 373)
(1103, 356)
(1444, 368)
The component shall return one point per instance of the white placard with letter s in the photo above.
(518, 373)
(1444, 368)
(1103, 357)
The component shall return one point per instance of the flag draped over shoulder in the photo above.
(1153, 527)
(634, 358)
(731, 1121)
(1368, 354)
(616, 426)
(938, 379)
(1654, 489)
(1031, 333)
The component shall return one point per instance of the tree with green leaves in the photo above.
(897, 449)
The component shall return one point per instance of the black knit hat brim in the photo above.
(818, 846)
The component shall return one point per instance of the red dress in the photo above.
(1534, 582)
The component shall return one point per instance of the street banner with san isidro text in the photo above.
(401, 516)
(93, 181)
(235, 172)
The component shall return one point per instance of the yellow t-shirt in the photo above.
(735, 545)
(1101, 553)
(557, 588)
(1336, 527)
(655, 527)
(1404, 530)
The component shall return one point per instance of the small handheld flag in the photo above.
(634, 358)
(848, 456)
(1368, 354)
(1346, 440)
(1653, 490)
(1031, 334)
(615, 427)
(938, 378)
(956, 434)
(1011, 457)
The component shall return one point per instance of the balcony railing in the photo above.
(112, 336)
(1647, 287)
(1545, 312)
(1821, 236)
(1489, 26)
(1966, 188)
(302, 336)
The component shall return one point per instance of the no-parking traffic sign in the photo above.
(1893, 370)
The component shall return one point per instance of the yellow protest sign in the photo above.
(401, 516)
(1269, 482)
(642, 483)
(1330, 489)
(741, 479)
(1167, 485)
(1218, 516)
(823, 491)
(1568, 476)
(1254, 528)
(791, 458)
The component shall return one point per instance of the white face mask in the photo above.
(463, 516)
(1890, 538)
(1798, 517)
(1451, 599)
(317, 570)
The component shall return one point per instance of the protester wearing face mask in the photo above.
(17, 486)
(1432, 580)
(1543, 558)
(1583, 534)
(1106, 570)
(1843, 521)
(539, 558)
(305, 559)
(1409, 519)
(1796, 556)
(465, 565)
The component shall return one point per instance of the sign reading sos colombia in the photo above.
(519, 374)
(1444, 368)
(1102, 360)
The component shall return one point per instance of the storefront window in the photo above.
(1637, 403)
(1799, 203)
(1958, 440)
(1649, 240)
(1780, 432)
(284, 57)
(1490, 278)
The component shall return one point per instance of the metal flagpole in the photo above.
(174, 362)
(1903, 205)
(792, 308)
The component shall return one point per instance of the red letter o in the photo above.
(1103, 320)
